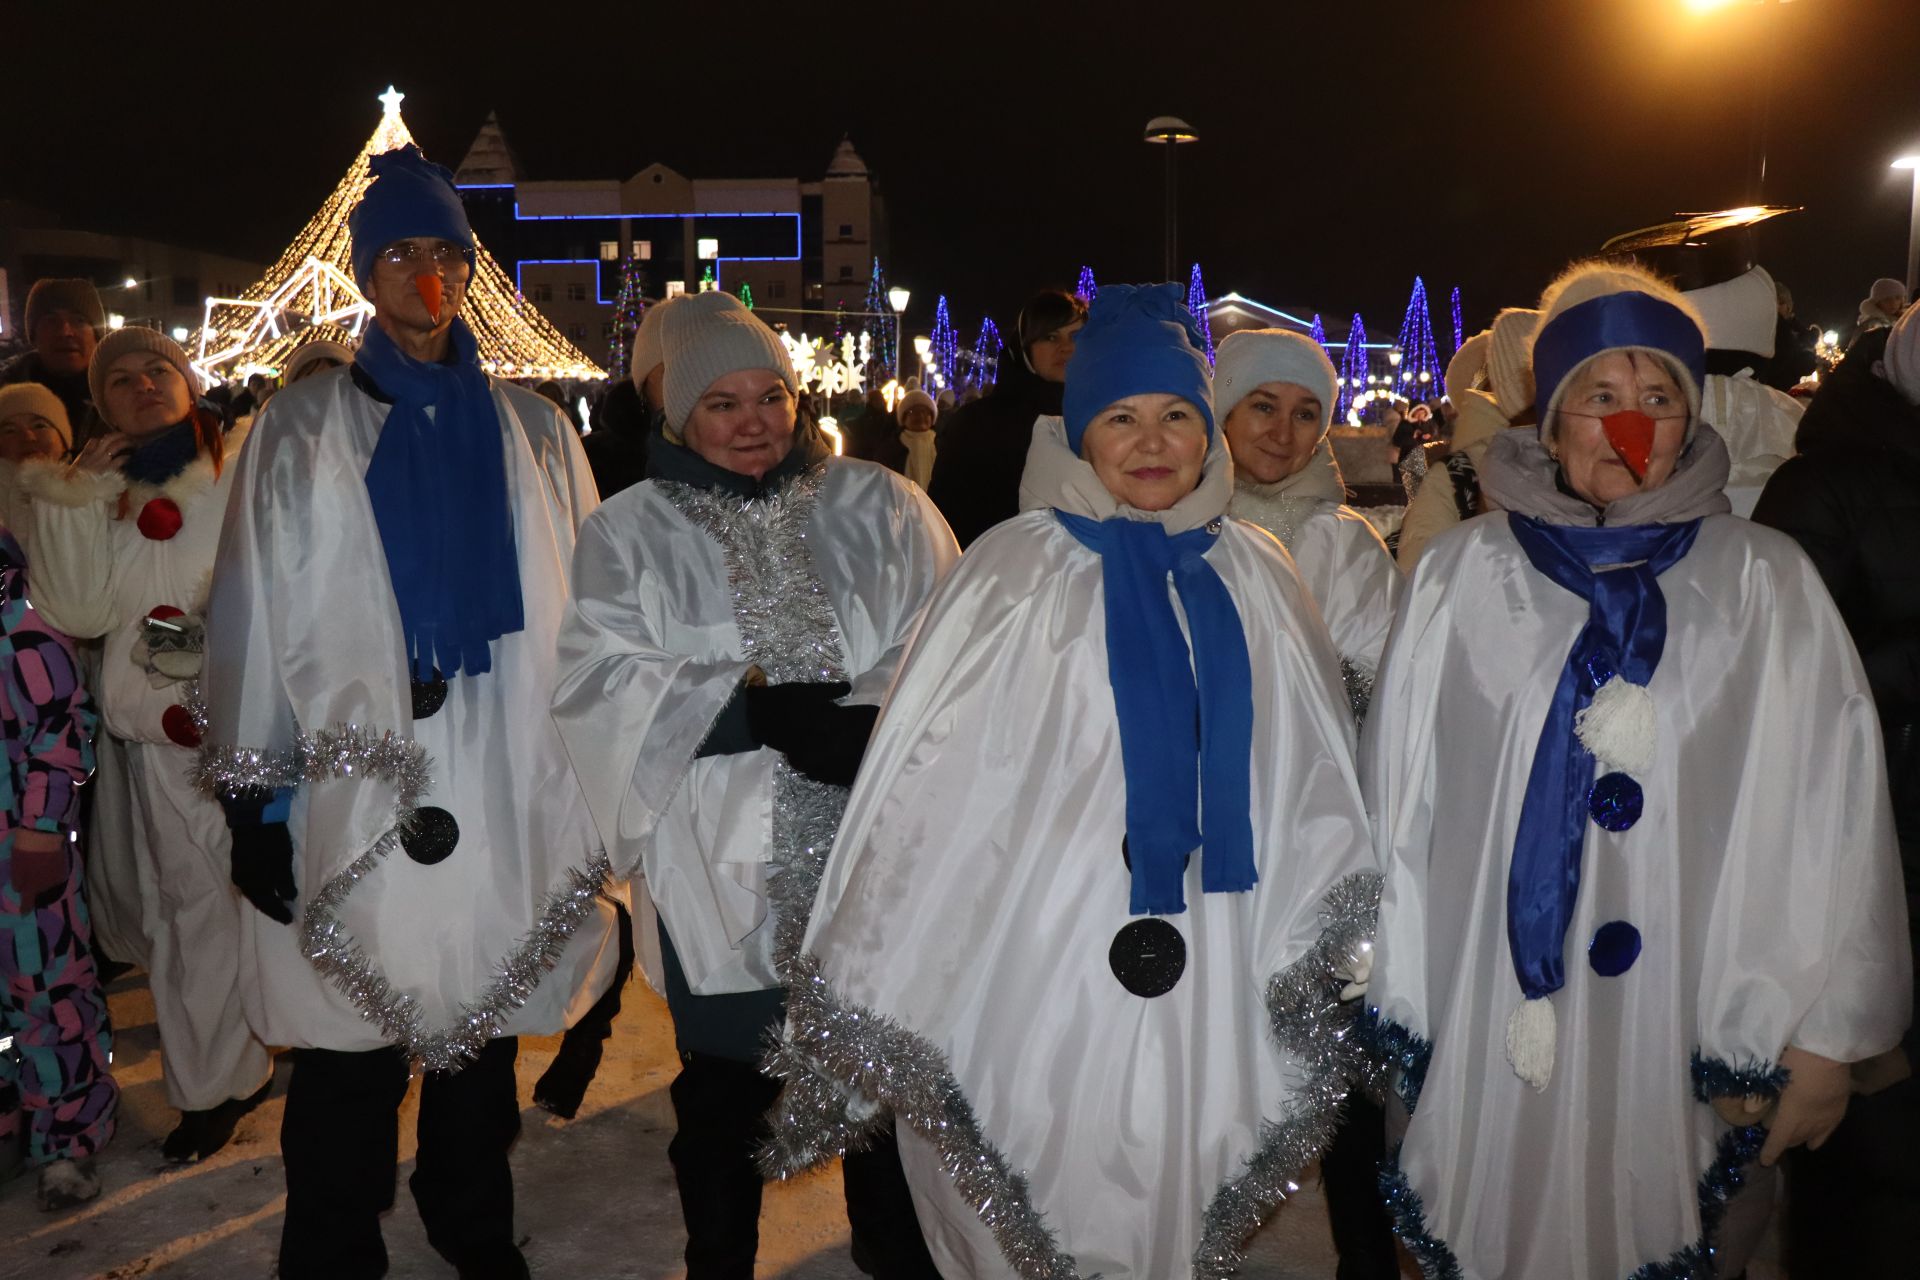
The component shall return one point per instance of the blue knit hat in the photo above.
(409, 196)
(1138, 339)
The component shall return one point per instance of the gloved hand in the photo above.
(832, 752)
(1355, 972)
(782, 716)
(262, 862)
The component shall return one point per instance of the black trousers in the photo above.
(1852, 1205)
(721, 1107)
(340, 1140)
(1350, 1173)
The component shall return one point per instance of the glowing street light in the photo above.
(1911, 163)
(1762, 84)
(897, 299)
(1169, 132)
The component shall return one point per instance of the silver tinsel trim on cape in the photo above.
(1359, 685)
(1312, 1024)
(906, 1075)
(350, 751)
(788, 629)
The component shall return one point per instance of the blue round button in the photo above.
(1615, 801)
(1614, 948)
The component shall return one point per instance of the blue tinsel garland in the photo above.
(1401, 1048)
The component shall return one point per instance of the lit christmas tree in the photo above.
(1318, 332)
(946, 347)
(1420, 372)
(1459, 330)
(1353, 368)
(628, 305)
(1087, 288)
(883, 325)
(310, 293)
(746, 295)
(985, 366)
(1197, 305)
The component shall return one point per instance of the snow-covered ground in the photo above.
(595, 1196)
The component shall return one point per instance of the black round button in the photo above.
(429, 695)
(1148, 956)
(433, 836)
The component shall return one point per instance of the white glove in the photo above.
(1355, 972)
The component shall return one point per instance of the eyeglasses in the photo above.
(406, 253)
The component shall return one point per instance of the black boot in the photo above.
(201, 1133)
(564, 1083)
(720, 1105)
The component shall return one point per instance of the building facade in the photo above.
(800, 247)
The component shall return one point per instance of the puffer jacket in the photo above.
(983, 449)
(1852, 500)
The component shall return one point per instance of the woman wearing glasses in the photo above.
(1642, 905)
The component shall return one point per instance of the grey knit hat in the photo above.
(706, 336)
(126, 341)
(53, 294)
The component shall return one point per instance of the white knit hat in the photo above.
(1253, 357)
(1597, 279)
(308, 352)
(32, 398)
(1469, 362)
(646, 341)
(1903, 356)
(705, 337)
(1510, 360)
(913, 395)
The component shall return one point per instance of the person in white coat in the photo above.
(737, 618)
(123, 543)
(1642, 903)
(1275, 391)
(425, 877)
(1079, 930)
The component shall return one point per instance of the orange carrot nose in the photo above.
(1630, 432)
(431, 290)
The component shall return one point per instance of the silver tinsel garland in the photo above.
(350, 751)
(1359, 687)
(1312, 1023)
(788, 629)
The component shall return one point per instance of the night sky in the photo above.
(1346, 146)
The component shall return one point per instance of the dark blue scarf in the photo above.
(1185, 750)
(1625, 633)
(164, 456)
(439, 491)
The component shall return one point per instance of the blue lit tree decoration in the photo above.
(1318, 332)
(1197, 305)
(1459, 330)
(1353, 368)
(1087, 288)
(984, 369)
(946, 347)
(1417, 352)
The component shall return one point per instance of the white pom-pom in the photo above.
(1530, 1036)
(1618, 727)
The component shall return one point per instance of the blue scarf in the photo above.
(1185, 750)
(1625, 633)
(439, 492)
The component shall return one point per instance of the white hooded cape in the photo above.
(307, 683)
(956, 973)
(1762, 879)
(668, 614)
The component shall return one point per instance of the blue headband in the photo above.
(1608, 323)
(409, 196)
(1138, 339)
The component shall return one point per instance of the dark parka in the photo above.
(983, 450)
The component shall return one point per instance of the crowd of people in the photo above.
(1066, 810)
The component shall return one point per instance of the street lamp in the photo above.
(1762, 86)
(1911, 163)
(923, 347)
(1169, 131)
(897, 299)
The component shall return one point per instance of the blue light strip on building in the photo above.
(562, 262)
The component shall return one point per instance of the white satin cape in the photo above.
(977, 885)
(650, 654)
(304, 636)
(1762, 878)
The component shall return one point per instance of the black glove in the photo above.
(261, 864)
(782, 716)
(832, 751)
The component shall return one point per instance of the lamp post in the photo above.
(897, 299)
(922, 347)
(1911, 163)
(1762, 88)
(1170, 131)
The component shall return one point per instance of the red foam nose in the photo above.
(431, 292)
(1631, 434)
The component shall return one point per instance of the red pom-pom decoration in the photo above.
(177, 723)
(160, 519)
